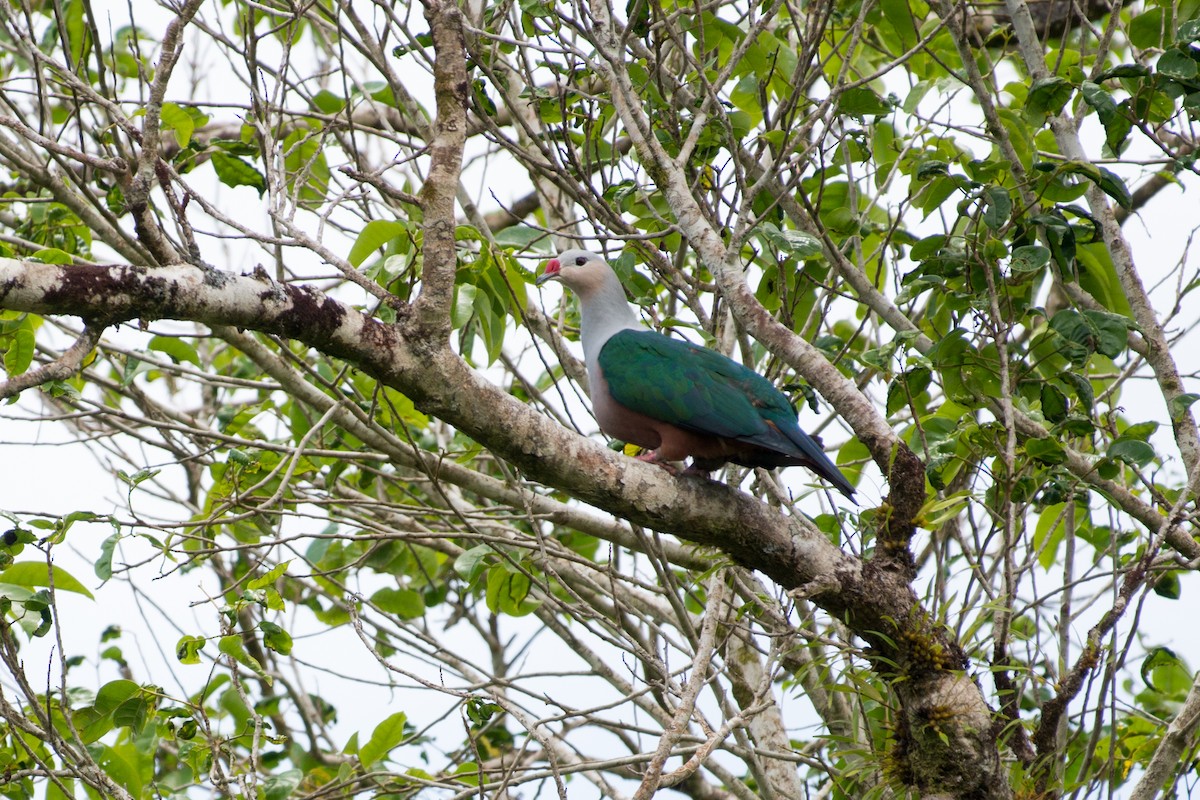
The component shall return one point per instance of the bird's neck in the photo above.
(602, 314)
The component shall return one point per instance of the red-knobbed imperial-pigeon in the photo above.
(673, 397)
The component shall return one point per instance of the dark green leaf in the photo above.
(1047, 96)
(1177, 64)
(1054, 403)
(1029, 258)
(862, 101)
(1188, 32)
(1169, 586)
(1124, 71)
(1046, 450)
(233, 171)
(998, 207)
(1134, 452)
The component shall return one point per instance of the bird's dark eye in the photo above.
(579, 262)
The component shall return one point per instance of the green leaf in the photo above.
(374, 235)
(276, 638)
(1177, 64)
(103, 567)
(998, 207)
(233, 172)
(1091, 332)
(1134, 452)
(1165, 672)
(1169, 586)
(35, 573)
(268, 578)
(1046, 451)
(404, 603)
(386, 737)
(1180, 404)
(1054, 403)
(862, 101)
(19, 355)
(507, 592)
(176, 347)
(187, 650)
(1047, 96)
(523, 237)
(1188, 32)
(281, 785)
(233, 647)
(1029, 258)
(177, 119)
(471, 563)
(1115, 188)
(327, 102)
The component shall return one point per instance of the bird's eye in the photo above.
(579, 262)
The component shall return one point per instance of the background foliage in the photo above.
(965, 230)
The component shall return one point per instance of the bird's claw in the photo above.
(651, 457)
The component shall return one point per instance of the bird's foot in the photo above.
(652, 457)
(698, 471)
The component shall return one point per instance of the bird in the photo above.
(674, 398)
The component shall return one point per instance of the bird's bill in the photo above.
(550, 273)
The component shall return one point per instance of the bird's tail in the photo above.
(814, 458)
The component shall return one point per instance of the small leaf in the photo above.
(1054, 403)
(187, 650)
(404, 603)
(1047, 96)
(1029, 258)
(281, 785)
(1134, 452)
(1188, 32)
(470, 564)
(19, 355)
(178, 349)
(276, 638)
(233, 647)
(1046, 450)
(269, 577)
(1169, 586)
(1115, 188)
(386, 737)
(233, 172)
(103, 567)
(375, 234)
(1180, 404)
(998, 208)
(177, 119)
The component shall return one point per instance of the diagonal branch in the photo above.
(60, 369)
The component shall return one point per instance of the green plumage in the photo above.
(700, 390)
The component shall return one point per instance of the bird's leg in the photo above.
(698, 470)
(652, 457)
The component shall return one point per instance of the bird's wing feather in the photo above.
(692, 387)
